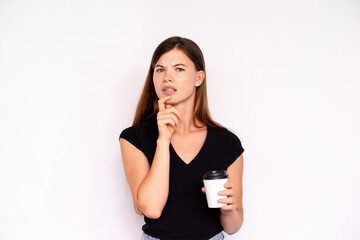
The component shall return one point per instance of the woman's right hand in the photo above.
(168, 118)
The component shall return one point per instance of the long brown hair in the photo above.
(148, 103)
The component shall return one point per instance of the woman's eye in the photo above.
(180, 69)
(159, 70)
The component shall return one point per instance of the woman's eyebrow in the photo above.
(175, 65)
(180, 64)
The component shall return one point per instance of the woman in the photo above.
(172, 143)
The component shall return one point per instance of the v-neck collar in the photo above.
(200, 151)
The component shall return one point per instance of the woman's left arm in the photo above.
(232, 214)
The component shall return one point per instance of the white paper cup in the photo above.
(214, 183)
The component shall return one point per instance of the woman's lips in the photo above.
(169, 92)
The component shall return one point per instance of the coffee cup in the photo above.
(214, 183)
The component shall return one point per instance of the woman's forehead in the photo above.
(173, 57)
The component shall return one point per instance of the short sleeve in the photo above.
(129, 135)
(235, 148)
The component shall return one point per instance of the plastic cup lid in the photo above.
(215, 174)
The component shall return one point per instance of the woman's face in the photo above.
(175, 74)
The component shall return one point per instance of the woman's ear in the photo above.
(199, 78)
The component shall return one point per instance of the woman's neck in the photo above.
(186, 124)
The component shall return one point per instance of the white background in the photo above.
(283, 75)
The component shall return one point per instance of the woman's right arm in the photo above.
(150, 185)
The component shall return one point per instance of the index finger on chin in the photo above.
(162, 101)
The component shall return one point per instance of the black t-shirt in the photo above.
(186, 214)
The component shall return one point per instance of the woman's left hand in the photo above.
(230, 206)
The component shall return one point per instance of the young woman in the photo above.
(172, 143)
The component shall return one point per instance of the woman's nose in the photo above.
(168, 77)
